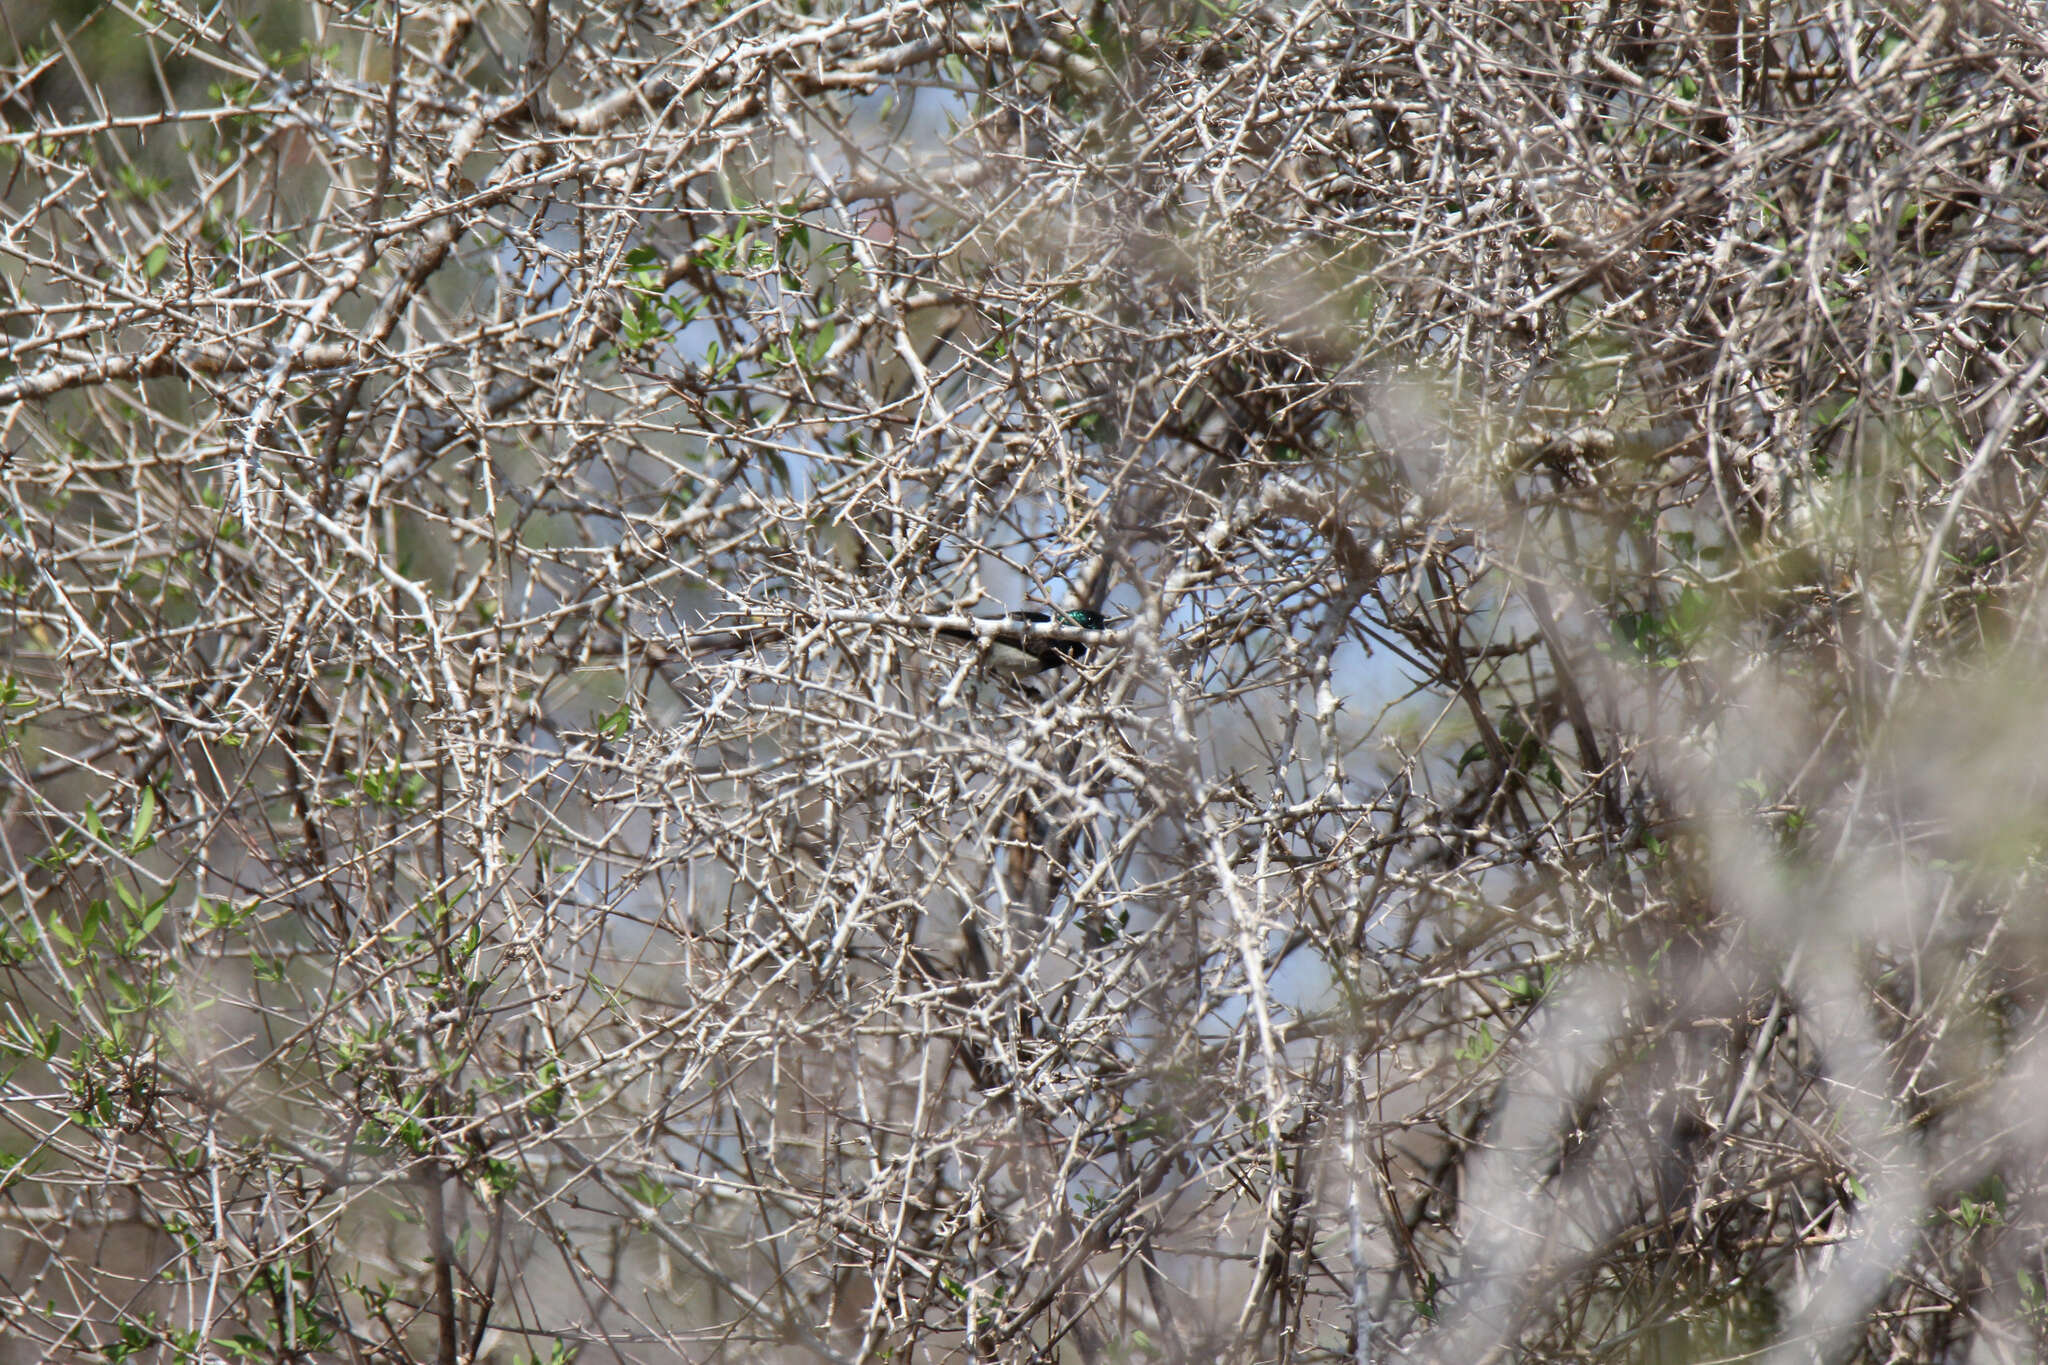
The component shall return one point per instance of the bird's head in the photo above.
(1084, 619)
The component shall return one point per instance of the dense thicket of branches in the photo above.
(500, 863)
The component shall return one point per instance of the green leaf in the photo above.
(138, 828)
(1689, 616)
(649, 1191)
(1479, 1046)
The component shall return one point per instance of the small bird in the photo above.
(1020, 655)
